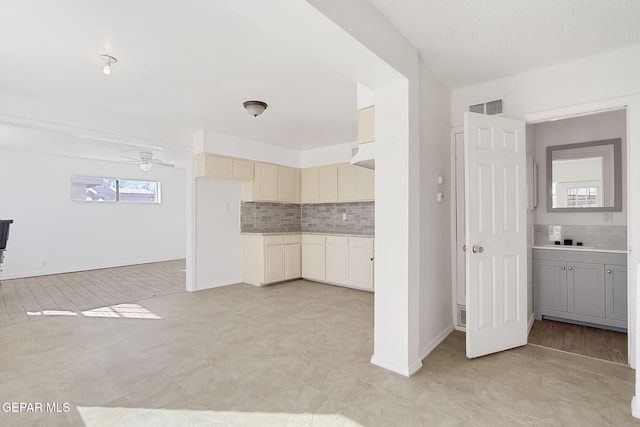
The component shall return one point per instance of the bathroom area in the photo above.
(577, 222)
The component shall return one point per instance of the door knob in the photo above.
(563, 267)
(570, 268)
(609, 271)
(477, 249)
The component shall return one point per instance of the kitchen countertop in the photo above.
(580, 248)
(275, 233)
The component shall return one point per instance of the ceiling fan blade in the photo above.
(131, 158)
(157, 162)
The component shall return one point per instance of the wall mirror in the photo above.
(585, 177)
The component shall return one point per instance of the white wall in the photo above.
(52, 234)
(435, 231)
(218, 240)
(339, 153)
(595, 127)
(609, 75)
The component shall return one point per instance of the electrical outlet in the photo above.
(344, 216)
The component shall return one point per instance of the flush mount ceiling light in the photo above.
(108, 60)
(255, 108)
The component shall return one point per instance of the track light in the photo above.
(108, 60)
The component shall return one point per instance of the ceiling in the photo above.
(191, 64)
(471, 41)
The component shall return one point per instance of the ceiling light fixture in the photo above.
(255, 108)
(108, 60)
(145, 165)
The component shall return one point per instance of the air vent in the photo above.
(462, 316)
(489, 107)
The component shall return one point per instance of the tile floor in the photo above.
(35, 298)
(294, 354)
(578, 339)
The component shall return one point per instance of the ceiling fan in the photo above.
(146, 161)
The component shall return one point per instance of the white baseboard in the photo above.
(73, 269)
(531, 319)
(424, 351)
(635, 407)
(214, 285)
(389, 365)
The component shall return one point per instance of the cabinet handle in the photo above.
(563, 267)
(371, 259)
(609, 271)
(570, 268)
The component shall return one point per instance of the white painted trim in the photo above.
(424, 352)
(460, 328)
(531, 319)
(100, 266)
(454, 225)
(191, 216)
(218, 285)
(635, 407)
(389, 365)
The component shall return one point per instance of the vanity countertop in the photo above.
(580, 248)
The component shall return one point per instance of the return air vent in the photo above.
(489, 107)
(462, 316)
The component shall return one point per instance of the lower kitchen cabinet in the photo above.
(584, 286)
(270, 258)
(339, 260)
(313, 257)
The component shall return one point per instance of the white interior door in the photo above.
(496, 233)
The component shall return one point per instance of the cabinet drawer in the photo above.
(273, 240)
(291, 238)
(361, 242)
(313, 239)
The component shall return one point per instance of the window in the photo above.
(110, 190)
(582, 197)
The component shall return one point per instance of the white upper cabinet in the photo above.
(328, 184)
(286, 184)
(309, 185)
(265, 182)
(355, 183)
(221, 167)
(366, 125)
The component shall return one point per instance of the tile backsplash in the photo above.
(357, 218)
(598, 236)
(265, 217)
(343, 218)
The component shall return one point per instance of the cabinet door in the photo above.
(273, 264)
(242, 170)
(616, 292)
(347, 183)
(585, 288)
(286, 184)
(337, 267)
(265, 184)
(309, 185)
(313, 262)
(361, 267)
(328, 184)
(365, 183)
(219, 167)
(296, 185)
(292, 261)
(550, 284)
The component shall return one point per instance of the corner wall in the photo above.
(52, 234)
(436, 321)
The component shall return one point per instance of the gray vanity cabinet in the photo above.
(550, 284)
(583, 286)
(616, 291)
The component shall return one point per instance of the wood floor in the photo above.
(592, 342)
(35, 298)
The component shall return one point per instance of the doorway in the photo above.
(573, 334)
